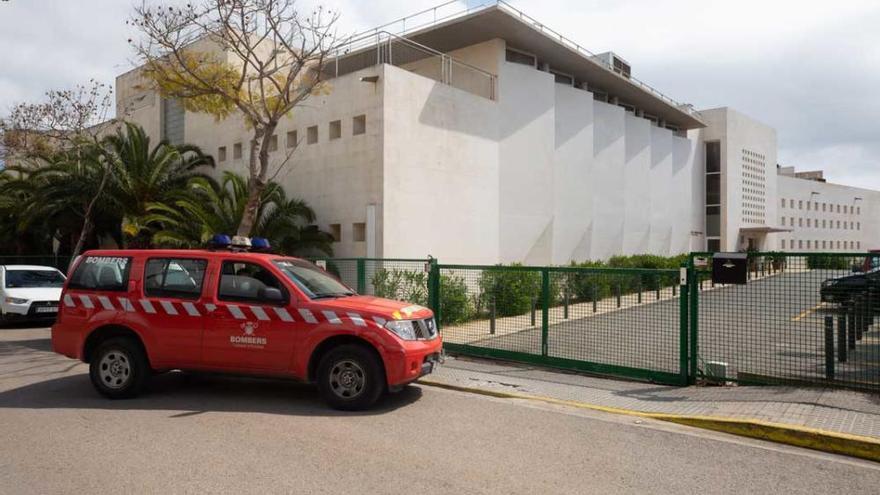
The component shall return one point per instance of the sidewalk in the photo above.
(833, 411)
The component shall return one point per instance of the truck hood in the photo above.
(34, 293)
(376, 306)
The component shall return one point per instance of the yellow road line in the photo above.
(807, 312)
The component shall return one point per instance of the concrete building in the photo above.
(482, 136)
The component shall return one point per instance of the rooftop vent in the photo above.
(614, 62)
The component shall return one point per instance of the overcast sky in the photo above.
(811, 69)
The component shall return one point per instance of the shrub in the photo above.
(402, 285)
(819, 262)
(514, 291)
(455, 304)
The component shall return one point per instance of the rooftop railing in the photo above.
(383, 47)
(454, 10)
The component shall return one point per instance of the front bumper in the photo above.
(415, 360)
(29, 310)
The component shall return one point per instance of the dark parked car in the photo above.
(864, 281)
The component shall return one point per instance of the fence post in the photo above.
(829, 347)
(534, 302)
(434, 290)
(492, 314)
(694, 320)
(595, 294)
(682, 329)
(841, 338)
(860, 317)
(361, 276)
(617, 292)
(851, 326)
(545, 314)
(639, 288)
(565, 316)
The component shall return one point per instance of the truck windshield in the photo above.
(316, 283)
(29, 279)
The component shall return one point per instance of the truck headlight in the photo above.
(16, 300)
(402, 328)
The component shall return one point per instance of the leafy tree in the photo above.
(259, 58)
(68, 122)
(207, 208)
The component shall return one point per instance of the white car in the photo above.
(29, 292)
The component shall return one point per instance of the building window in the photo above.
(336, 232)
(808, 205)
(858, 210)
(173, 121)
(359, 125)
(713, 245)
(236, 151)
(859, 245)
(858, 225)
(800, 222)
(312, 134)
(800, 244)
(800, 204)
(518, 57)
(336, 129)
(713, 157)
(808, 244)
(273, 142)
(783, 202)
(359, 231)
(809, 222)
(823, 223)
(221, 154)
(561, 78)
(291, 139)
(783, 240)
(791, 203)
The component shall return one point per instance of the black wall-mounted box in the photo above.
(730, 268)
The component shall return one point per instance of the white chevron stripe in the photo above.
(68, 301)
(105, 302)
(169, 308)
(357, 320)
(260, 313)
(331, 317)
(126, 305)
(191, 309)
(87, 303)
(379, 321)
(148, 306)
(283, 314)
(308, 316)
(236, 312)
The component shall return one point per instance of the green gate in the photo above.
(802, 319)
(625, 322)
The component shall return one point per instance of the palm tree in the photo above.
(62, 194)
(144, 176)
(208, 208)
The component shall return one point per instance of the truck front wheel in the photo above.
(350, 378)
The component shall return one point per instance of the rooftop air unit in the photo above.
(614, 62)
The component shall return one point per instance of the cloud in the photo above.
(809, 69)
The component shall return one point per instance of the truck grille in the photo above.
(425, 329)
(43, 304)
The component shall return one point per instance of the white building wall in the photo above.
(573, 164)
(526, 101)
(441, 171)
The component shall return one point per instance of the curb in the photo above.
(798, 436)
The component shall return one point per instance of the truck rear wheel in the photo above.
(119, 368)
(350, 378)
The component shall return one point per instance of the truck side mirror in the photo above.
(271, 294)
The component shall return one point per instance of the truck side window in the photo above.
(174, 277)
(101, 273)
(246, 282)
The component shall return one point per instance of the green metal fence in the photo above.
(627, 322)
(60, 262)
(401, 279)
(802, 318)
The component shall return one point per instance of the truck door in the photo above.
(252, 325)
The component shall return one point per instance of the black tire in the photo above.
(340, 371)
(119, 368)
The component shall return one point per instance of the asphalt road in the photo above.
(208, 434)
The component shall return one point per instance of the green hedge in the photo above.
(412, 286)
(819, 262)
(512, 291)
